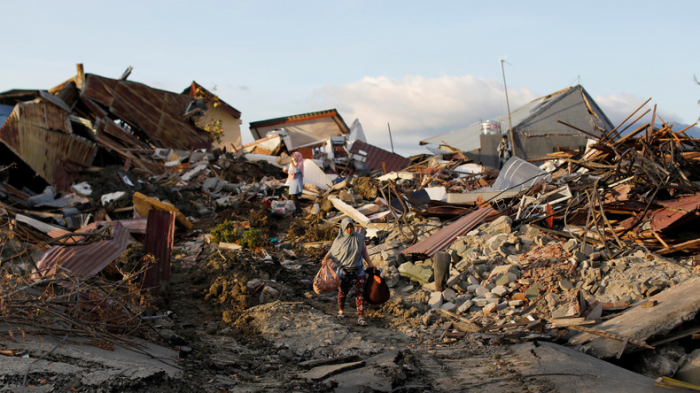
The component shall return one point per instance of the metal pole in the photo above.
(510, 122)
(390, 138)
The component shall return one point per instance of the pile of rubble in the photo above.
(592, 249)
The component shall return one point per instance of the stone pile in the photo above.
(498, 274)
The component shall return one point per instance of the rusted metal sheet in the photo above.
(84, 260)
(443, 238)
(160, 235)
(374, 156)
(40, 134)
(674, 212)
(158, 113)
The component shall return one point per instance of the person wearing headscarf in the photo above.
(347, 252)
(295, 178)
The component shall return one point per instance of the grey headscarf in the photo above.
(346, 251)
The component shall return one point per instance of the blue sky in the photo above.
(424, 67)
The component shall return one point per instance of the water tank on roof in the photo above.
(490, 127)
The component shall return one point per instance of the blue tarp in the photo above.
(5, 111)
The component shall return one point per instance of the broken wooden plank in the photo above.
(613, 336)
(677, 336)
(568, 322)
(679, 247)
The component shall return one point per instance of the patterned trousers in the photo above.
(344, 288)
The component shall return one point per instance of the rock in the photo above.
(449, 295)
(566, 285)
(503, 279)
(464, 307)
(422, 274)
(490, 308)
(570, 245)
(516, 303)
(449, 306)
(500, 291)
(495, 242)
(480, 302)
(501, 225)
(389, 255)
(595, 256)
(473, 281)
(481, 291)
(407, 289)
(514, 259)
(472, 288)
(519, 296)
(435, 300)
(551, 299)
(580, 257)
(662, 362)
(490, 295)
(532, 293)
(504, 269)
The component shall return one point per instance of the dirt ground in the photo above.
(252, 323)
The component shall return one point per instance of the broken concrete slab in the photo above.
(380, 374)
(674, 306)
(572, 371)
(322, 372)
(90, 364)
(349, 211)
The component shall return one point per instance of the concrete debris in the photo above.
(596, 251)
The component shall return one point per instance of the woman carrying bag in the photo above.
(347, 252)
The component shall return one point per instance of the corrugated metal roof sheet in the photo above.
(84, 260)
(443, 238)
(674, 211)
(158, 113)
(375, 156)
(40, 134)
(160, 235)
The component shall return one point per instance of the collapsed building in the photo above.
(575, 253)
(90, 119)
(567, 120)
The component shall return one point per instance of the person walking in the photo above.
(347, 252)
(505, 150)
(295, 178)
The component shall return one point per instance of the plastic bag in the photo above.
(326, 280)
(376, 290)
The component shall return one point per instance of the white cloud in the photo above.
(418, 107)
(619, 107)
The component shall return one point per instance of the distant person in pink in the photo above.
(295, 178)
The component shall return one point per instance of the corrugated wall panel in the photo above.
(84, 260)
(160, 235)
(443, 238)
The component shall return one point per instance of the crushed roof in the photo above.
(303, 117)
(538, 118)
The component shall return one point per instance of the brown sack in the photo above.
(376, 290)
